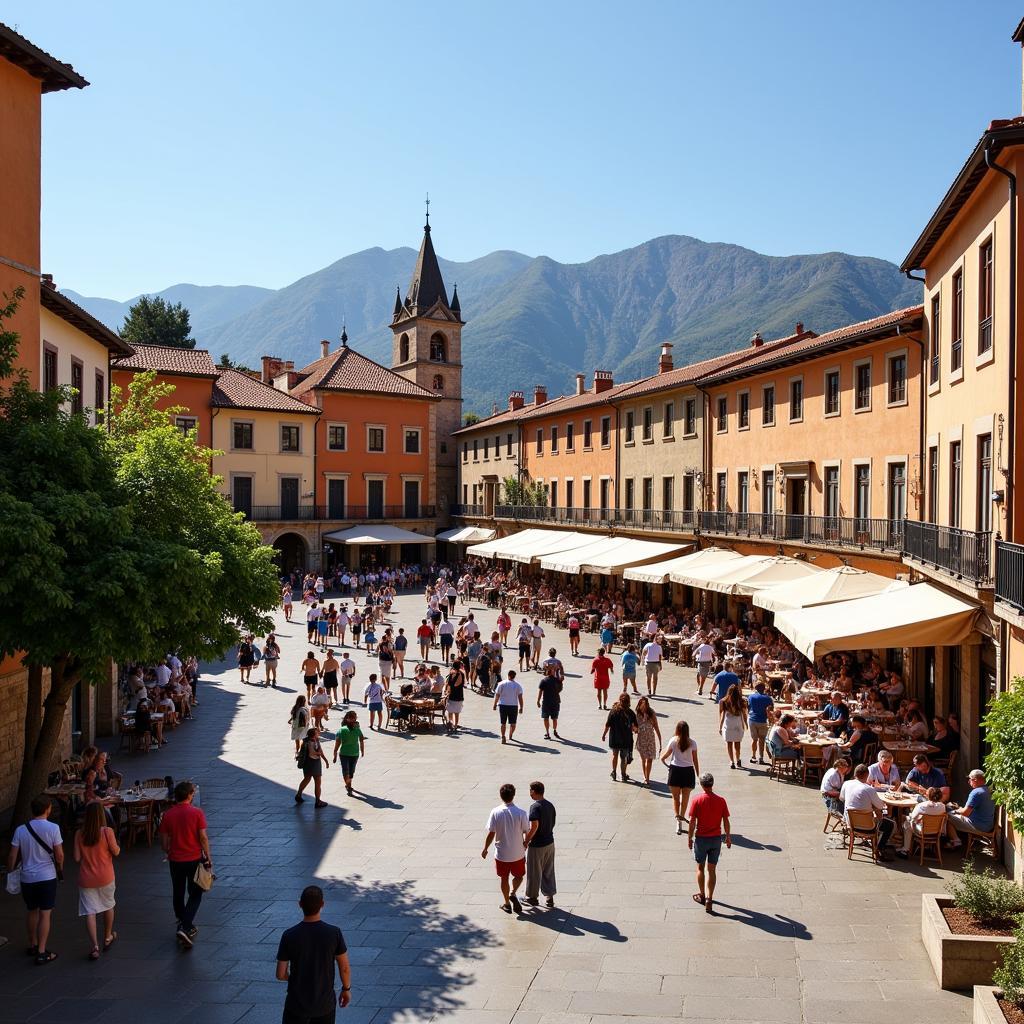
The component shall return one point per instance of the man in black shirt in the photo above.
(540, 848)
(305, 959)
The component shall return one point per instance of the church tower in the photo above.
(427, 349)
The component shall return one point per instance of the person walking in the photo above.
(246, 658)
(307, 956)
(95, 849)
(347, 671)
(619, 729)
(385, 659)
(524, 637)
(709, 817)
(401, 645)
(628, 663)
(536, 640)
(648, 737)
(504, 624)
(310, 673)
(186, 845)
(40, 847)
(549, 699)
(507, 827)
(286, 601)
(722, 681)
(759, 707)
(601, 669)
(341, 625)
(310, 761)
(652, 655)
(350, 743)
(704, 656)
(424, 637)
(540, 848)
(732, 722)
(508, 699)
(680, 754)
(573, 625)
(373, 698)
(446, 637)
(271, 658)
(298, 719)
(331, 669)
(455, 695)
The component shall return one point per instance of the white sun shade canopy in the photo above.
(830, 586)
(466, 535)
(377, 535)
(526, 545)
(702, 576)
(747, 580)
(660, 572)
(607, 556)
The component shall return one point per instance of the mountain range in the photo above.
(533, 320)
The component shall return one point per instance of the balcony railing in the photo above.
(985, 335)
(1010, 573)
(325, 513)
(839, 531)
(965, 554)
(467, 510)
(626, 518)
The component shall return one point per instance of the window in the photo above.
(688, 492)
(487, 448)
(412, 443)
(497, 446)
(337, 438)
(290, 438)
(586, 494)
(630, 486)
(648, 424)
(667, 496)
(508, 445)
(767, 491)
(933, 361)
(570, 437)
(742, 492)
(403, 349)
(721, 492)
(862, 491)
(743, 410)
(540, 441)
(49, 369)
(186, 424)
(438, 382)
(897, 491)
(768, 405)
(985, 297)
(465, 452)
(476, 449)
(438, 348)
(100, 398)
(606, 486)
(796, 400)
(77, 383)
(933, 484)
(832, 393)
(723, 414)
(553, 493)
(336, 498)
(832, 491)
(648, 493)
(629, 427)
(241, 436)
(375, 440)
(955, 482)
(690, 417)
(897, 380)
(569, 494)
(465, 494)
(606, 431)
(668, 415)
(587, 428)
(862, 388)
(956, 343)
(554, 440)
(985, 482)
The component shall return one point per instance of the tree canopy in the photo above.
(154, 321)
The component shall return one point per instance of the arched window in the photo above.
(403, 348)
(438, 348)
(438, 382)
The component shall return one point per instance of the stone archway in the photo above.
(291, 552)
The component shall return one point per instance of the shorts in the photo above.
(515, 868)
(550, 710)
(40, 895)
(524, 648)
(629, 673)
(625, 753)
(707, 848)
(446, 641)
(454, 707)
(310, 681)
(321, 627)
(348, 765)
(574, 634)
(758, 730)
(375, 705)
(704, 669)
(652, 668)
(508, 714)
(680, 777)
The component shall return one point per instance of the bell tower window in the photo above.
(438, 348)
(438, 382)
(403, 348)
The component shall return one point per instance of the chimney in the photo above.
(540, 394)
(602, 381)
(756, 341)
(47, 281)
(580, 388)
(271, 367)
(665, 359)
(325, 348)
(799, 329)
(515, 401)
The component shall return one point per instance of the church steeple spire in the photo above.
(427, 285)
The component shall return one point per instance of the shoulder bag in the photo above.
(48, 849)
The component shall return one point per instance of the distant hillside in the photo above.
(533, 320)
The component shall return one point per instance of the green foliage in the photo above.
(1004, 765)
(523, 492)
(986, 895)
(154, 321)
(469, 419)
(8, 338)
(227, 363)
(1010, 975)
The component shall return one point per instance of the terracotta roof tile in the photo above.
(60, 305)
(498, 419)
(347, 370)
(570, 403)
(183, 362)
(237, 390)
(53, 73)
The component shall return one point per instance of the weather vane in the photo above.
(428, 209)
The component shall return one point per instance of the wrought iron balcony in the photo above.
(1010, 573)
(622, 518)
(467, 510)
(327, 513)
(963, 554)
(827, 531)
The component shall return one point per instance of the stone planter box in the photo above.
(959, 961)
(986, 1009)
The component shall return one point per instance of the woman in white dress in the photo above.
(732, 722)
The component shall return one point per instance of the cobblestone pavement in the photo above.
(800, 933)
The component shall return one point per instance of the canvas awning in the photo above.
(702, 576)
(920, 615)
(660, 572)
(607, 556)
(744, 581)
(830, 586)
(492, 548)
(466, 535)
(526, 545)
(377, 535)
(560, 542)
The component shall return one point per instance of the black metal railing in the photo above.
(466, 510)
(985, 335)
(325, 513)
(839, 531)
(933, 370)
(1010, 573)
(624, 518)
(965, 554)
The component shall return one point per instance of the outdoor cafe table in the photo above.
(898, 803)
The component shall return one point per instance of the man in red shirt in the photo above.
(709, 815)
(183, 837)
(601, 669)
(425, 636)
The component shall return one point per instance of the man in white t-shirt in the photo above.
(312, 617)
(651, 625)
(704, 655)
(163, 673)
(536, 635)
(508, 699)
(857, 794)
(507, 827)
(831, 786)
(39, 872)
(651, 656)
(524, 638)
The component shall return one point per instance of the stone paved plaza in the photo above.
(800, 933)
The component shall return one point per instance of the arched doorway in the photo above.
(291, 552)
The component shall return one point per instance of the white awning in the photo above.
(377, 535)
(608, 556)
(491, 548)
(843, 583)
(556, 542)
(466, 535)
(660, 572)
(702, 576)
(744, 581)
(526, 545)
(921, 615)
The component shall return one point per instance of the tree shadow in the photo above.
(568, 922)
(784, 927)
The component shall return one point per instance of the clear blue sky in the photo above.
(253, 143)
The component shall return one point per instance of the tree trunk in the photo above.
(42, 738)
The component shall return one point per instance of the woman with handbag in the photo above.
(95, 850)
(310, 762)
(298, 719)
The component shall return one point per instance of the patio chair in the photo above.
(814, 763)
(139, 819)
(933, 831)
(788, 765)
(989, 841)
(833, 822)
(861, 825)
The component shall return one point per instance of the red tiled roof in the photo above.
(236, 390)
(570, 403)
(497, 419)
(347, 370)
(866, 330)
(54, 74)
(181, 362)
(60, 305)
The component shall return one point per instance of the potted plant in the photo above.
(1004, 1002)
(966, 932)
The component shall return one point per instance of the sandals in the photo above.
(707, 907)
(697, 898)
(94, 953)
(45, 958)
(108, 942)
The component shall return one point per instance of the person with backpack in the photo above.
(310, 761)
(298, 719)
(271, 657)
(38, 846)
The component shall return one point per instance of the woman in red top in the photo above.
(601, 669)
(95, 850)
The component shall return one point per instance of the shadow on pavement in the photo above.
(784, 927)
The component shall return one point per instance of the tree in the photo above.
(1004, 735)
(524, 492)
(153, 321)
(8, 338)
(469, 419)
(227, 363)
